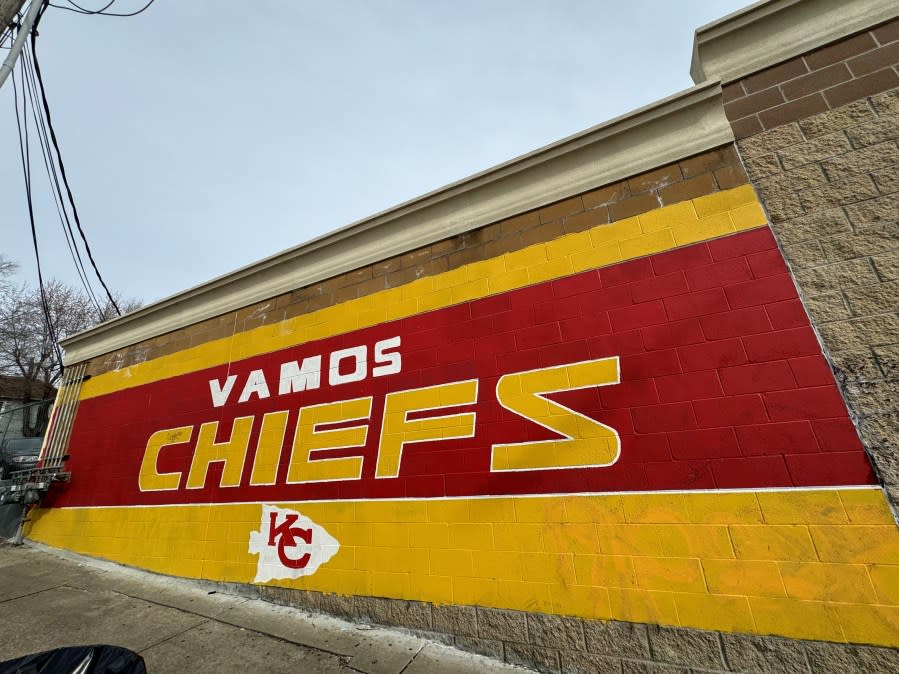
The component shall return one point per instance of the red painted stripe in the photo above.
(723, 386)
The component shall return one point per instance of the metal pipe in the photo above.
(19, 43)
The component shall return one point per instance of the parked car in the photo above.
(19, 454)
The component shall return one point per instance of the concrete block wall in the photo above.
(633, 429)
(825, 164)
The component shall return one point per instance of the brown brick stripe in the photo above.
(695, 176)
(822, 80)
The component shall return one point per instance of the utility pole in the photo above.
(8, 11)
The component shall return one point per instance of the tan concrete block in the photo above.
(852, 114)
(886, 103)
(888, 359)
(837, 276)
(502, 624)
(838, 193)
(813, 226)
(887, 179)
(784, 206)
(577, 662)
(543, 659)
(556, 631)
(828, 307)
(769, 141)
(457, 620)
(685, 647)
(617, 639)
(807, 254)
(763, 166)
(861, 332)
(874, 240)
(878, 396)
(833, 658)
(887, 265)
(873, 132)
(866, 160)
(750, 653)
(880, 429)
(874, 212)
(796, 179)
(874, 299)
(855, 365)
(813, 150)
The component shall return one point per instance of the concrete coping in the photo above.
(772, 31)
(666, 131)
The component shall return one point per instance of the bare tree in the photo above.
(29, 333)
(7, 269)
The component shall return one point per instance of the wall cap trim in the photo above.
(773, 31)
(676, 127)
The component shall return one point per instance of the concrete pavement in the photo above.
(50, 599)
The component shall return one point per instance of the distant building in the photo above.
(13, 392)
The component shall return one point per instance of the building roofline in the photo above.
(772, 31)
(668, 130)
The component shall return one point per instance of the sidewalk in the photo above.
(50, 599)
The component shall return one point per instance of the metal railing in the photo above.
(59, 429)
(27, 487)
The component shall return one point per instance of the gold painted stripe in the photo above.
(810, 564)
(687, 222)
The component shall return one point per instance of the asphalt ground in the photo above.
(50, 599)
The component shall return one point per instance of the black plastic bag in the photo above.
(98, 659)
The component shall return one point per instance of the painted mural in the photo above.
(634, 422)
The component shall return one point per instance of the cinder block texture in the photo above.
(830, 183)
(555, 644)
(810, 87)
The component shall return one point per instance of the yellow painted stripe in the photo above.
(811, 564)
(701, 219)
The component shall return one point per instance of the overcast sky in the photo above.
(199, 138)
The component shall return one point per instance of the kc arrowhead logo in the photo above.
(289, 545)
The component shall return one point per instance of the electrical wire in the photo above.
(62, 168)
(78, 9)
(53, 178)
(85, 10)
(26, 170)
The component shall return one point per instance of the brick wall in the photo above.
(555, 644)
(827, 170)
(696, 176)
(722, 387)
(821, 80)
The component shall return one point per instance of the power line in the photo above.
(57, 191)
(53, 178)
(62, 168)
(26, 170)
(78, 9)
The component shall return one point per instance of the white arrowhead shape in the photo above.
(289, 544)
